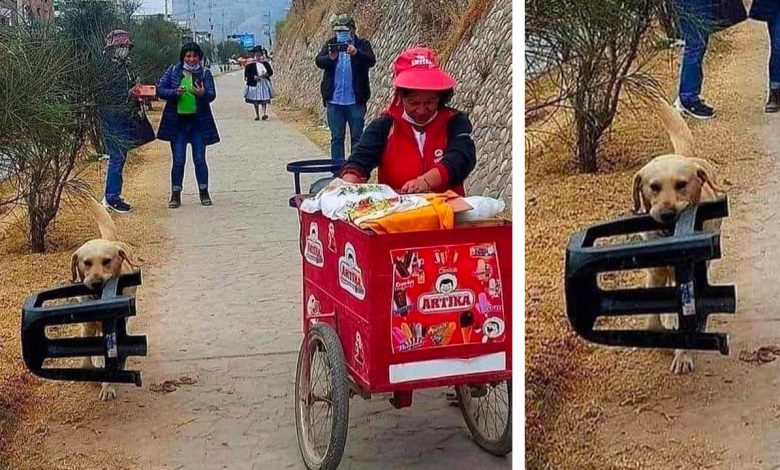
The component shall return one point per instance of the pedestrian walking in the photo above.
(257, 75)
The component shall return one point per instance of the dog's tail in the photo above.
(678, 130)
(104, 221)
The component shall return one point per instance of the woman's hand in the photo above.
(179, 91)
(416, 186)
(198, 89)
(352, 178)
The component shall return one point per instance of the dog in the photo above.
(95, 263)
(663, 188)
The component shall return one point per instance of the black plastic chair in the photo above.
(111, 310)
(687, 250)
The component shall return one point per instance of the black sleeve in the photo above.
(268, 68)
(366, 54)
(367, 154)
(323, 59)
(247, 73)
(460, 157)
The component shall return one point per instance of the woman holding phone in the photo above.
(188, 89)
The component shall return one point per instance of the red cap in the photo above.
(418, 69)
(118, 37)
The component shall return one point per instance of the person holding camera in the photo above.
(345, 60)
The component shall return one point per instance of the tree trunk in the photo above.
(588, 137)
(38, 224)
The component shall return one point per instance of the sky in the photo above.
(229, 16)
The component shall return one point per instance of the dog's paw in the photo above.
(107, 392)
(682, 362)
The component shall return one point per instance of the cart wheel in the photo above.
(487, 410)
(321, 399)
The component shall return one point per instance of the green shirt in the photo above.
(187, 101)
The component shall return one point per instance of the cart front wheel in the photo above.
(487, 410)
(321, 399)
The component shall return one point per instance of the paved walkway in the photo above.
(226, 311)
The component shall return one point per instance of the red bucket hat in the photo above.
(418, 69)
(118, 37)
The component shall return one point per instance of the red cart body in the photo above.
(412, 310)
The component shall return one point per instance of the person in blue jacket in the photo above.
(188, 89)
(769, 11)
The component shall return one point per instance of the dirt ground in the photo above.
(597, 407)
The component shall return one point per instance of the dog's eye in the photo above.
(88, 264)
(106, 261)
(655, 187)
(680, 185)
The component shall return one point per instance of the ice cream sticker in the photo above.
(350, 274)
(446, 296)
(313, 253)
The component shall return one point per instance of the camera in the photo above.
(337, 47)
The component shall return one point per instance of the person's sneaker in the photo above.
(175, 200)
(119, 206)
(773, 102)
(697, 109)
(265, 117)
(205, 199)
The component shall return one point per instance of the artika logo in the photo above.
(350, 274)
(314, 253)
(447, 298)
(421, 60)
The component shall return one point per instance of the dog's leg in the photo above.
(656, 277)
(107, 392)
(682, 362)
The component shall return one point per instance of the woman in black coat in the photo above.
(257, 75)
(769, 11)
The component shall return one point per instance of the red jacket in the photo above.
(389, 144)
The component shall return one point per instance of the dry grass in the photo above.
(463, 26)
(571, 383)
(25, 401)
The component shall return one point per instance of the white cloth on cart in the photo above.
(358, 203)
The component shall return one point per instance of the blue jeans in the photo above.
(774, 53)
(189, 132)
(116, 135)
(695, 27)
(338, 118)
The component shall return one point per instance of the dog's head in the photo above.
(670, 183)
(98, 261)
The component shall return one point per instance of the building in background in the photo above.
(16, 11)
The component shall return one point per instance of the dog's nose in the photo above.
(97, 285)
(668, 216)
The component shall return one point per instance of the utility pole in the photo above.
(267, 29)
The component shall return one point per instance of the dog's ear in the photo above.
(75, 275)
(705, 178)
(123, 254)
(637, 192)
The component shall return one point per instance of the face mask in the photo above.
(121, 52)
(343, 36)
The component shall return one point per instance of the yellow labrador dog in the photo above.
(663, 188)
(96, 262)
